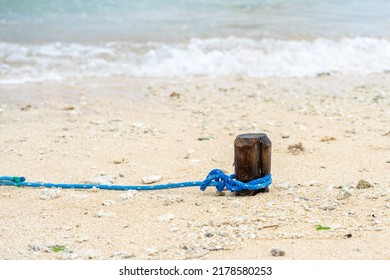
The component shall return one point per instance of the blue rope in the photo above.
(215, 178)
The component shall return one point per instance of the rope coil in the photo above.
(216, 178)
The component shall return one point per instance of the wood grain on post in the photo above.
(252, 159)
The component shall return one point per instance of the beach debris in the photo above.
(205, 138)
(166, 217)
(324, 74)
(175, 95)
(151, 179)
(363, 184)
(104, 214)
(320, 227)
(69, 108)
(57, 248)
(348, 235)
(26, 107)
(217, 193)
(120, 161)
(296, 148)
(52, 193)
(276, 252)
(327, 139)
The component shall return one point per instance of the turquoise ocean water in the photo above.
(56, 39)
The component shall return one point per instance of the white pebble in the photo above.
(128, 195)
(50, 193)
(151, 179)
(102, 180)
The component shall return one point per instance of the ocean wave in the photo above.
(213, 57)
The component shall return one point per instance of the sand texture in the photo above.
(327, 132)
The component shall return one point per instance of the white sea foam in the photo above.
(198, 57)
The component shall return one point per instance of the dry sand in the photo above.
(75, 131)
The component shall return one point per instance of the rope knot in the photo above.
(220, 180)
(11, 180)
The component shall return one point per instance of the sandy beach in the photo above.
(119, 130)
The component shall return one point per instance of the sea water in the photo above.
(56, 39)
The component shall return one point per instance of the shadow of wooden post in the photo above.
(252, 159)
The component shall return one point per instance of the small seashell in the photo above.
(276, 252)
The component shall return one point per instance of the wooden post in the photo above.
(252, 159)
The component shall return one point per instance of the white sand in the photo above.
(75, 131)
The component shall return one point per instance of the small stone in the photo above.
(104, 214)
(102, 180)
(120, 161)
(275, 252)
(175, 94)
(296, 148)
(50, 193)
(171, 200)
(208, 234)
(206, 138)
(363, 184)
(166, 217)
(198, 203)
(327, 139)
(26, 107)
(151, 179)
(329, 206)
(217, 193)
(343, 194)
(348, 235)
(128, 195)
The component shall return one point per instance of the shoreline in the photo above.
(74, 131)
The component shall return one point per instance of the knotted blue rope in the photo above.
(215, 178)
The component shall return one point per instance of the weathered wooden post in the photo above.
(252, 159)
